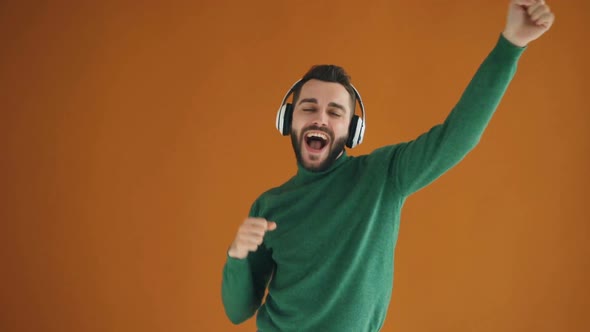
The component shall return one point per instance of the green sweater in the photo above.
(331, 256)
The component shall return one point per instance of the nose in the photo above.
(321, 118)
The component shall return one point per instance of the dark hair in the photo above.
(327, 73)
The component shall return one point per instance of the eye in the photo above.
(308, 109)
(335, 114)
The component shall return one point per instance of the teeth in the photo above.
(317, 134)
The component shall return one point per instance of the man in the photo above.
(323, 242)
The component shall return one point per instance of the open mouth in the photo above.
(316, 140)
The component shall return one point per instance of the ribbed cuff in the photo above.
(506, 50)
(235, 263)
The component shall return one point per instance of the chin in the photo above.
(312, 166)
(315, 165)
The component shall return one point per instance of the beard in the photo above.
(336, 147)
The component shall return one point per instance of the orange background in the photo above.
(135, 136)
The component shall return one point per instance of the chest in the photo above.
(318, 222)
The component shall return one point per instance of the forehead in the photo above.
(325, 92)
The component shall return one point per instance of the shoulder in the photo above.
(274, 191)
(278, 189)
(380, 155)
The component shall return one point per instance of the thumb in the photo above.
(271, 226)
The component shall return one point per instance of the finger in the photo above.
(252, 239)
(251, 247)
(538, 14)
(262, 223)
(246, 229)
(253, 229)
(537, 10)
(546, 20)
(534, 7)
(256, 223)
(271, 226)
(524, 2)
(245, 244)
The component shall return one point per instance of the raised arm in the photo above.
(421, 161)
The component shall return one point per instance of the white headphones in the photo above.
(356, 130)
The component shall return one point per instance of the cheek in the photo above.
(296, 123)
(341, 129)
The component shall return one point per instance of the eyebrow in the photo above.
(315, 101)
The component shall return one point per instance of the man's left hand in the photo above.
(527, 21)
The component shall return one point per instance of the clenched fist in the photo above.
(250, 236)
(527, 20)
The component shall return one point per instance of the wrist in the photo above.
(234, 253)
(513, 40)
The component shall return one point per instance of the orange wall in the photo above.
(134, 137)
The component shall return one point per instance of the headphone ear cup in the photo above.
(356, 131)
(288, 119)
(284, 119)
(284, 116)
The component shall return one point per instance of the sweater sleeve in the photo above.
(244, 282)
(419, 162)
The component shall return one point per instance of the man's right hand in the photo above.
(250, 236)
